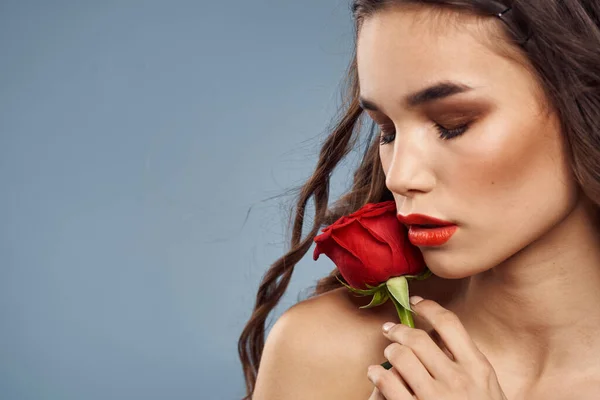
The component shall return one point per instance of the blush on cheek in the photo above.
(520, 182)
(510, 155)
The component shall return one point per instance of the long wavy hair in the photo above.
(561, 41)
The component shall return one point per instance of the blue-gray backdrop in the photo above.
(139, 140)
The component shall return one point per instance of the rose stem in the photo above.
(405, 319)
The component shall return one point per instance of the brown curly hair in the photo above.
(562, 42)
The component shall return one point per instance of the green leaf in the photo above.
(359, 291)
(379, 298)
(398, 287)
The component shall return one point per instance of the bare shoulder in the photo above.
(320, 349)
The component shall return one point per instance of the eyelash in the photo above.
(444, 134)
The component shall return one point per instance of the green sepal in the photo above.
(422, 276)
(375, 287)
(379, 298)
(363, 292)
(398, 288)
(426, 274)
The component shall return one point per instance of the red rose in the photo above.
(370, 246)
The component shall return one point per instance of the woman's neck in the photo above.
(538, 312)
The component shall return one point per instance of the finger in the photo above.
(437, 363)
(389, 383)
(399, 377)
(440, 343)
(451, 330)
(376, 395)
(410, 368)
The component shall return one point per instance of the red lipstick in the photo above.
(427, 231)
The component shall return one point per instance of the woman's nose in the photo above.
(409, 170)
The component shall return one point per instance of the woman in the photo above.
(489, 117)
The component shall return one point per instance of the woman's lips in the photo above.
(419, 236)
(424, 230)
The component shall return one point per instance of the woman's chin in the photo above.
(446, 273)
(450, 266)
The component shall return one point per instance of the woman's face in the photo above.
(478, 150)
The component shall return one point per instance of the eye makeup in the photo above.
(450, 117)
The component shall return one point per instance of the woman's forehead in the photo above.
(396, 55)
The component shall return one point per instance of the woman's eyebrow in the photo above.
(437, 91)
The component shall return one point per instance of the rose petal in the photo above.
(375, 256)
(350, 267)
(392, 232)
(376, 236)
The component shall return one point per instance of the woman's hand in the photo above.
(422, 370)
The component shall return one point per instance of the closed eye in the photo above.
(447, 134)
(388, 133)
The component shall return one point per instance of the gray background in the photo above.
(140, 142)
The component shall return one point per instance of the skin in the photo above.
(526, 245)
(519, 278)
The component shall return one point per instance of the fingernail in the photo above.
(387, 326)
(370, 373)
(414, 300)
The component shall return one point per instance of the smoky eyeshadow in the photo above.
(457, 112)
